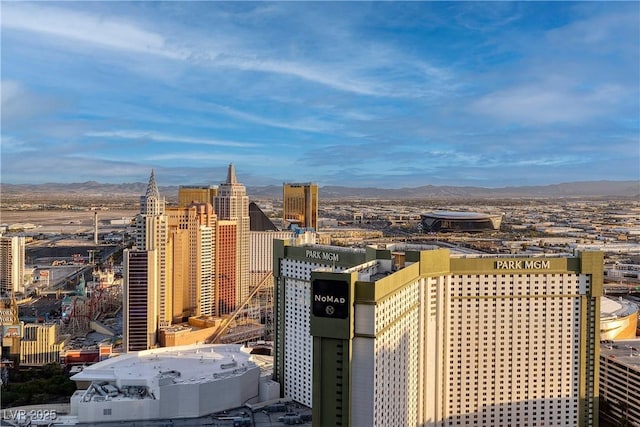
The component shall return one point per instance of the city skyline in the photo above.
(369, 94)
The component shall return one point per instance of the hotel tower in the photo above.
(192, 231)
(12, 258)
(231, 205)
(406, 335)
(152, 235)
(300, 205)
(140, 303)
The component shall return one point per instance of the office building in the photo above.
(300, 205)
(620, 382)
(190, 194)
(140, 303)
(231, 205)
(12, 250)
(152, 235)
(398, 335)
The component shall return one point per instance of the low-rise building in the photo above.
(41, 344)
(620, 381)
(166, 383)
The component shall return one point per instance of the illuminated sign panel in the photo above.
(330, 298)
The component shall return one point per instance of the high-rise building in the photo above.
(232, 205)
(152, 235)
(397, 335)
(192, 232)
(300, 205)
(190, 194)
(140, 303)
(228, 293)
(12, 258)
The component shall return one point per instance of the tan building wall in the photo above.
(190, 194)
(41, 344)
(300, 204)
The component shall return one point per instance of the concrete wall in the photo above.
(175, 400)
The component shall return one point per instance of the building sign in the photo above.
(326, 256)
(330, 298)
(6, 316)
(530, 264)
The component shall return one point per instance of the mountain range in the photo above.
(625, 189)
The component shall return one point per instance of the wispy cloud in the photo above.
(382, 93)
(550, 102)
(307, 124)
(85, 28)
(160, 137)
(19, 104)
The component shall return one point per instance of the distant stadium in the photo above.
(459, 221)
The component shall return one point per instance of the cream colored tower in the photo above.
(152, 235)
(192, 230)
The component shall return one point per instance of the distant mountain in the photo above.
(570, 189)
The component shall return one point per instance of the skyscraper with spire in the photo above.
(152, 235)
(232, 206)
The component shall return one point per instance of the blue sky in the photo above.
(347, 93)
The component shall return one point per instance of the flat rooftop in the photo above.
(185, 364)
(626, 352)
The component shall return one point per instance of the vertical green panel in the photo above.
(279, 251)
(331, 382)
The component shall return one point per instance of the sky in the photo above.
(361, 94)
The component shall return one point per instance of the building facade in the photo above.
(232, 205)
(424, 337)
(12, 258)
(152, 235)
(190, 194)
(140, 304)
(620, 381)
(165, 384)
(261, 243)
(41, 344)
(300, 205)
(192, 231)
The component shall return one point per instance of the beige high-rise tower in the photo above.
(192, 231)
(300, 205)
(232, 204)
